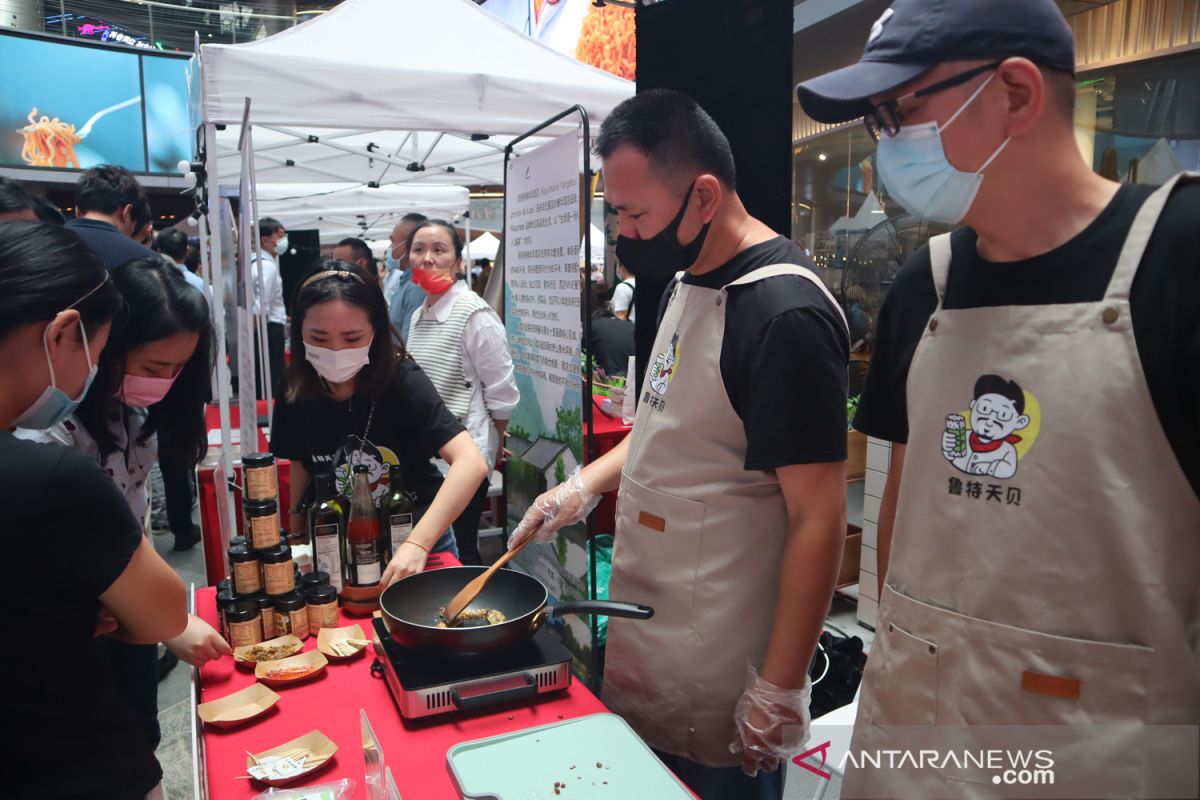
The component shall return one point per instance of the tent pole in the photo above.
(213, 190)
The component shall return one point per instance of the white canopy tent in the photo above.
(349, 96)
(485, 246)
(374, 92)
(350, 209)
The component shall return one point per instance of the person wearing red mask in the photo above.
(460, 343)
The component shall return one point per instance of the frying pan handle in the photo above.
(494, 698)
(611, 608)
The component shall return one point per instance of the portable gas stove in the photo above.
(423, 685)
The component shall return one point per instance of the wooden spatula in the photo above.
(468, 593)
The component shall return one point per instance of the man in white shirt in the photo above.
(622, 299)
(274, 242)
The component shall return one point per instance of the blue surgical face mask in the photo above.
(915, 170)
(390, 261)
(53, 406)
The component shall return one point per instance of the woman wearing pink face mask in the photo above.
(147, 403)
(460, 343)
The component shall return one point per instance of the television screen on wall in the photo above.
(64, 84)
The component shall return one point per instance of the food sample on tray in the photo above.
(473, 617)
(49, 142)
(270, 651)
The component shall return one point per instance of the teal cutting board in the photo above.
(525, 765)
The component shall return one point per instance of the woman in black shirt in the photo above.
(81, 565)
(354, 397)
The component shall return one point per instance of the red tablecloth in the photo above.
(609, 431)
(415, 750)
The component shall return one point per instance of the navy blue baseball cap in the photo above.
(914, 36)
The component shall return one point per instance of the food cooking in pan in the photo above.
(473, 617)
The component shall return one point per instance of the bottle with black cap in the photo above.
(327, 530)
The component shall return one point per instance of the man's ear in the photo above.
(710, 193)
(1022, 422)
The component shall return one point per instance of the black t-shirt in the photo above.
(410, 425)
(68, 534)
(783, 359)
(611, 344)
(1164, 305)
(109, 244)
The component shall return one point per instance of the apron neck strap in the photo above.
(1139, 236)
(939, 261)
(773, 270)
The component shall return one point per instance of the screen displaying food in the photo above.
(44, 122)
(49, 142)
(602, 36)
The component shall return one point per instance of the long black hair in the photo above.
(160, 304)
(45, 269)
(351, 284)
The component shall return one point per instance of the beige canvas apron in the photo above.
(699, 538)
(1047, 573)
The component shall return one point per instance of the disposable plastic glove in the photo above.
(565, 504)
(770, 723)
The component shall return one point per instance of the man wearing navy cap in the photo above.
(1061, 592)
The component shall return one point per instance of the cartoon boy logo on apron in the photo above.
(664, 367)
(989, 444)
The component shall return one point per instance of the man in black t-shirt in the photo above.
(732, 483)
(1036, 374)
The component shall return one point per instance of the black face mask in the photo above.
(661, 256)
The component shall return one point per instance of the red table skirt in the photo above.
(415, 750)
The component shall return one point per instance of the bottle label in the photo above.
(367, 571)
(329, 553)
(401, 526)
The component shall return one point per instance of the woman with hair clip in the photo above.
(459, 340)
(147, 402)
(82, 568)
(352, 394)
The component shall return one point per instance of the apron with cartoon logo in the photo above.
(1045, 567)
(699, 538)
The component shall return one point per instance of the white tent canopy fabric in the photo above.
(351, 209)
(485, 246)
(459, 72)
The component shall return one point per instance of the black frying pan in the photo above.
(410, 610)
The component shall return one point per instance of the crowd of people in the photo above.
(109, 329)
(1066, 597)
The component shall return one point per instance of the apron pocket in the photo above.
(905, 678)
(658, 536)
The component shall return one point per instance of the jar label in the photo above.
(246, 577)
(264, 531)
(268, 624)
(299, 620)
(262, 483)
(244, 633)
(283, 623)
(281, 578)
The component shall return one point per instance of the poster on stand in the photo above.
(542, 297)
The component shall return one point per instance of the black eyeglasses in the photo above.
(887, 116)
